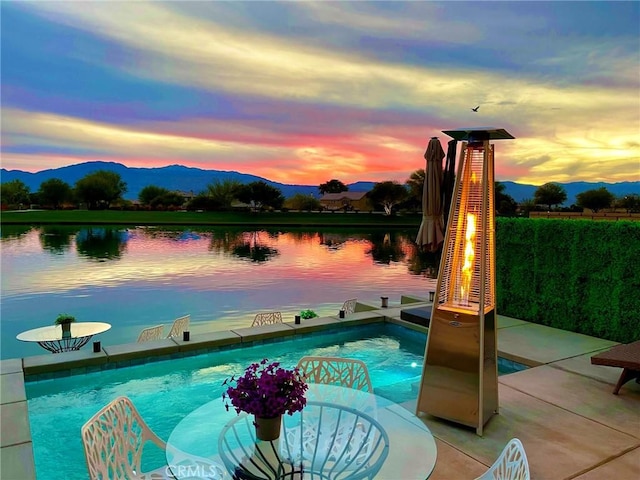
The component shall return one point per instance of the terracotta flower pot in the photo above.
(268, 428)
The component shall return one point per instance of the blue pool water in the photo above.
(165, 391)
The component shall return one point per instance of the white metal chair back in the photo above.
(151, 333)
(267, 318)
(345, 372)
(309, 441)
(113, 441)
(512, 464)
(179, 326)
(349, 306)
(324, 441)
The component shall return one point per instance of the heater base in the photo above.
(479, 429)
(459, 378)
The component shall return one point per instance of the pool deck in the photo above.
(562, 409)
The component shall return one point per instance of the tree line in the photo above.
(552, 194)
(103, 189)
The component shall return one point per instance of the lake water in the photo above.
(138, 277)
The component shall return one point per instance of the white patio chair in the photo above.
(345, 372)
(151, 333)
(114, 439)
(510, 465)
(337, 442)
(349, 306)
(267, 318)
(312, 439)
(180, 325)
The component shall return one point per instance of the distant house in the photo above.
(346, 201)
(188, 196)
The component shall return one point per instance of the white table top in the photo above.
(412, 447)
(54, 332)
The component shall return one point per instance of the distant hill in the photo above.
(178, 177)
(173, 177)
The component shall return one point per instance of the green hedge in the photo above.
(577, 275)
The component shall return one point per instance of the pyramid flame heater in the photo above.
(459, 375)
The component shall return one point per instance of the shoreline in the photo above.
(288, 219)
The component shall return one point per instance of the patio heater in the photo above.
(459, 375)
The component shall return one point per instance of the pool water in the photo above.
(165, 391)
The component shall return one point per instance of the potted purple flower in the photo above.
(267, 391)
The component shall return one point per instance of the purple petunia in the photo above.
(266, 390)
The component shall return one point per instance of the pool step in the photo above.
(399, 392)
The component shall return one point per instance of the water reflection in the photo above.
(188, 235)
(424, 263)
(225, 242)
(301, 237)
(334, 241)
(387, 247)
(101, 244)
(254, 246)
(12, 232)
(110, 243)
(178, 234)
(56, 239)
(255, 252)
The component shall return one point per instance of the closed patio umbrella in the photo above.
(448, 180)
(430, 235)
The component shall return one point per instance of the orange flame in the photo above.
(469, 254)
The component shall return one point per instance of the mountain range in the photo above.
(188, 179)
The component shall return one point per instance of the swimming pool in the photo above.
(165, 391)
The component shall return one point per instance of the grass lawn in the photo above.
(113, 217)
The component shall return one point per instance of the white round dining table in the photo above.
(200, 435)
(52, 338)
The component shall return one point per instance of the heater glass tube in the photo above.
(462, 275)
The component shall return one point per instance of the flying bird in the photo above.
(476, 109)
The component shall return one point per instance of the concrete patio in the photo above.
(562, 409)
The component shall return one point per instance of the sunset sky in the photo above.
(303, 92)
